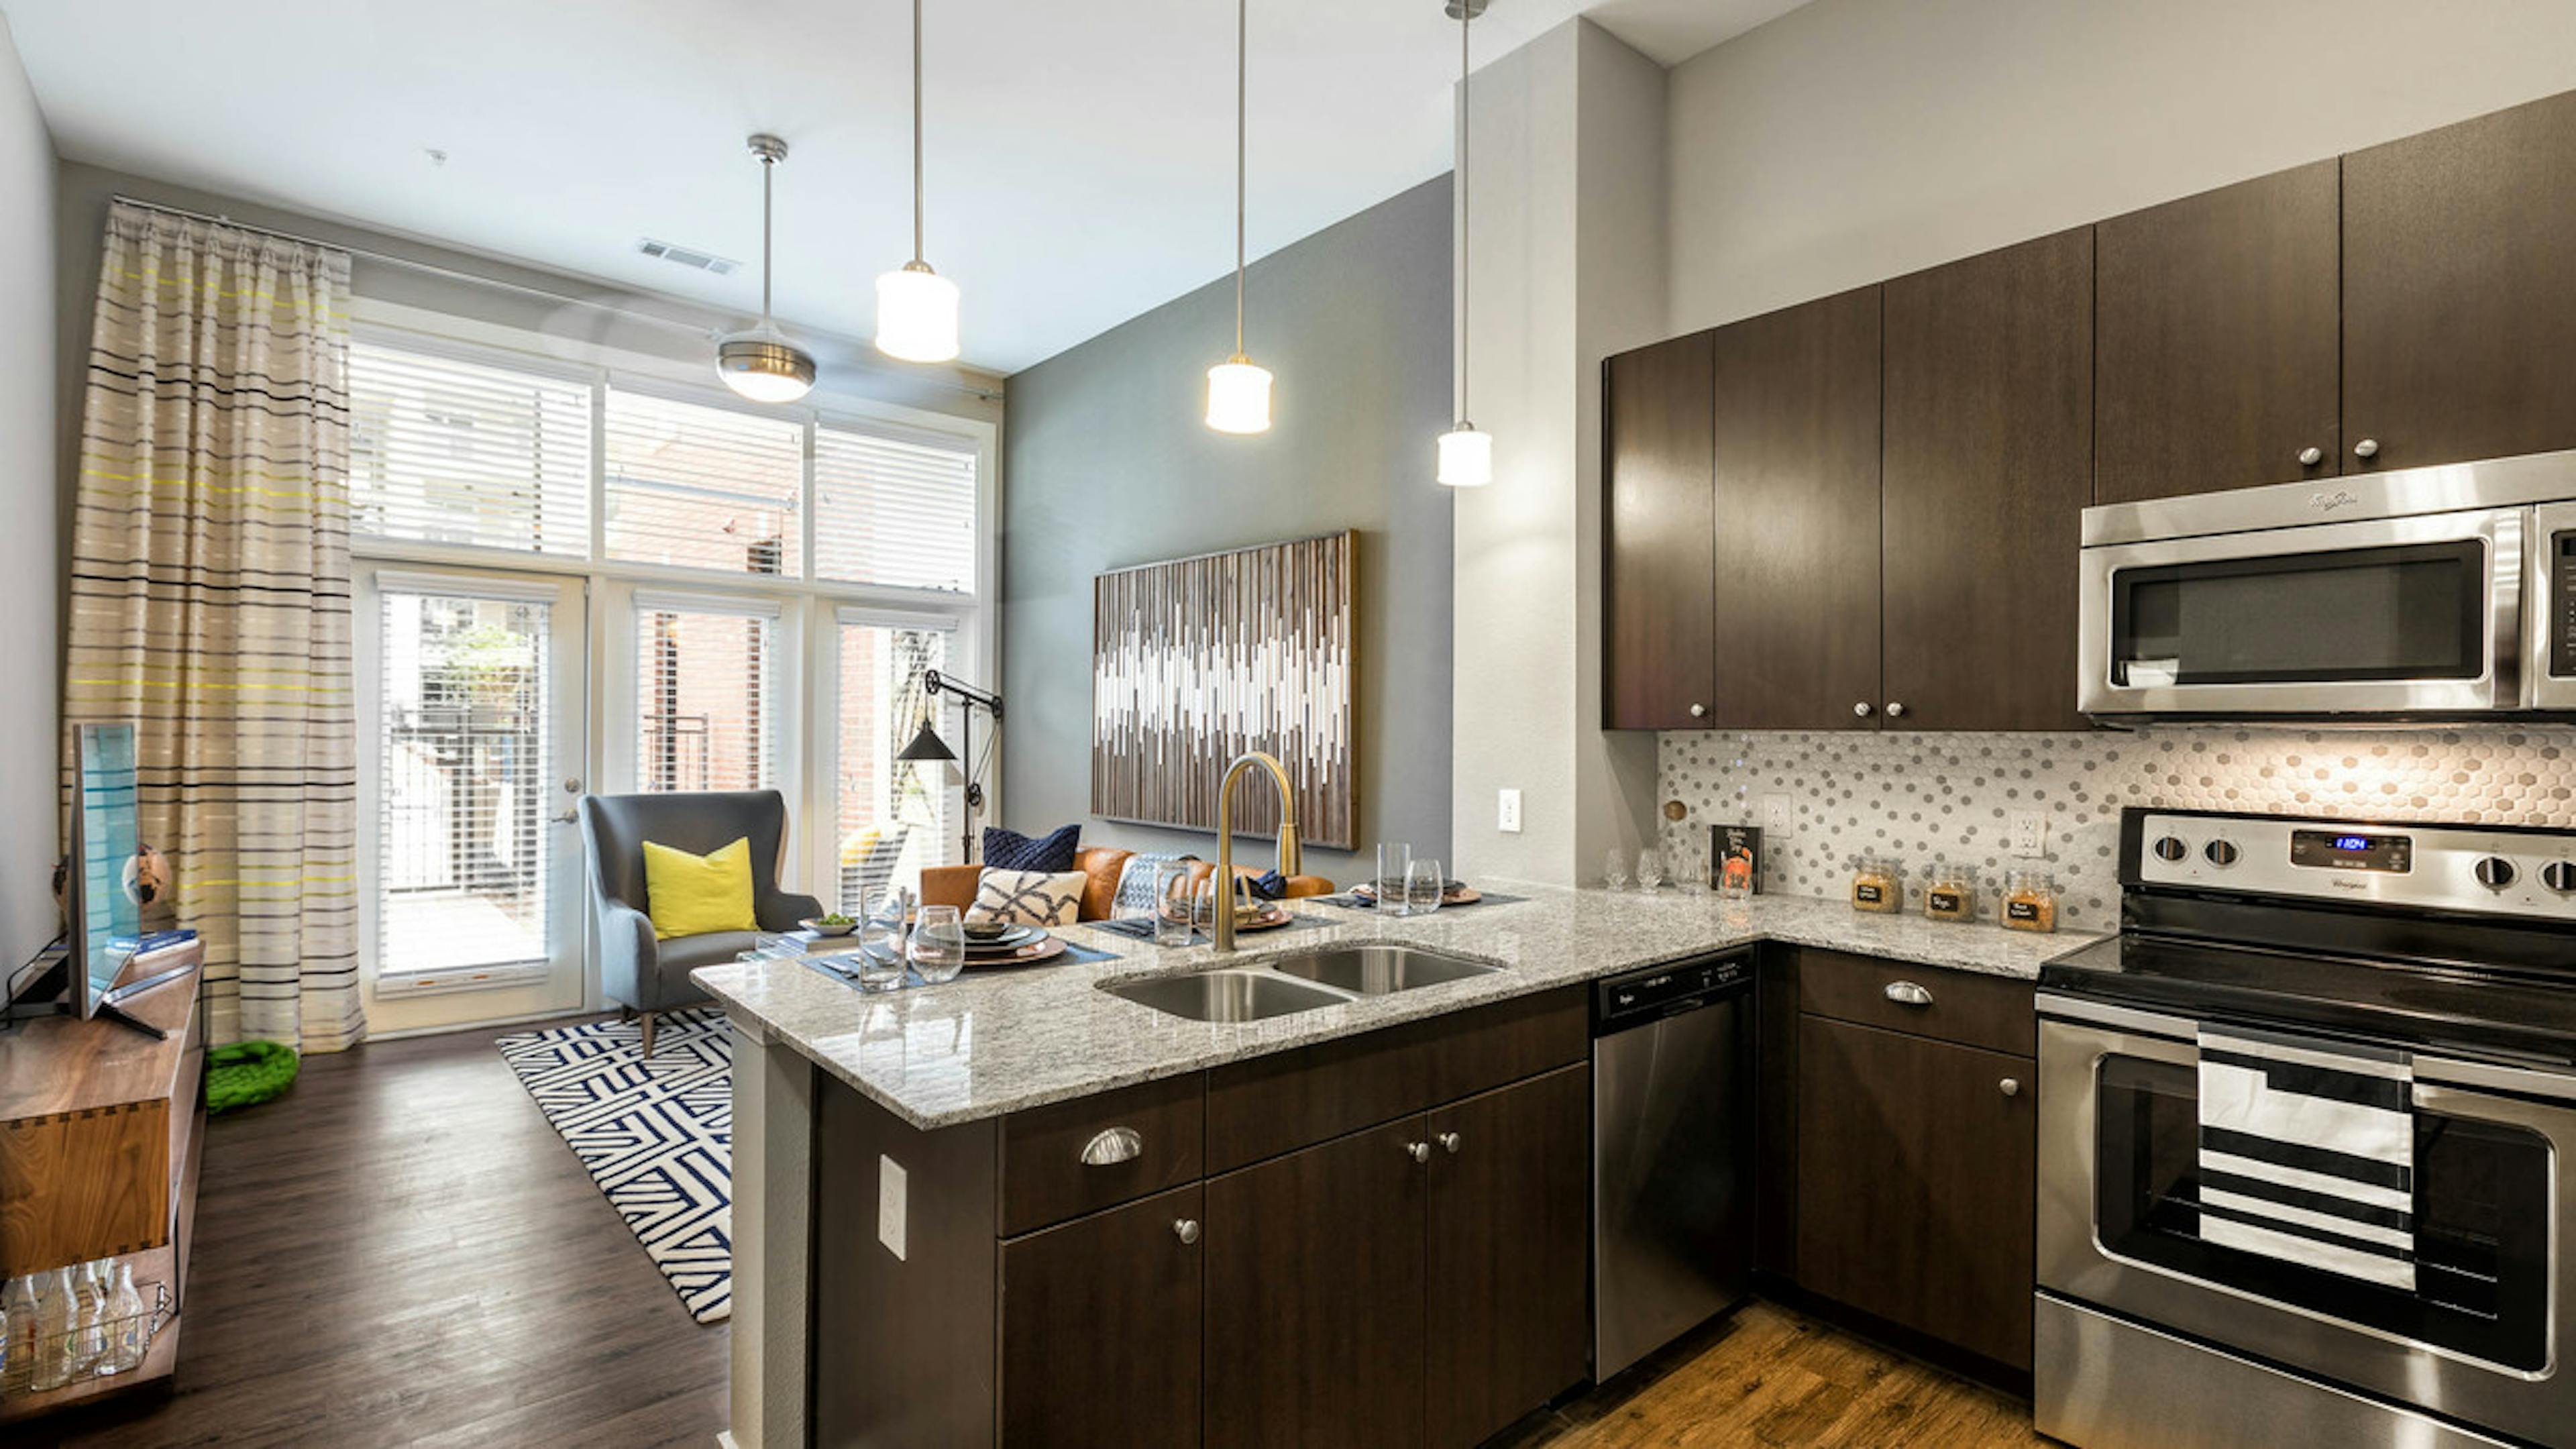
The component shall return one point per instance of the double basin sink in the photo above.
(1301, 982)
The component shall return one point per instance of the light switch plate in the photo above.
(890, 1204)
(2029, 830)
(1507, 812)
(1779, 815)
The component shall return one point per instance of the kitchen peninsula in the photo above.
(1019, 1199)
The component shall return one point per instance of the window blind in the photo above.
(444, 450)
(894, 510)
(705, 696)
(703, 487)
(894, 818)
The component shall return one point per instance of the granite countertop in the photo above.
(996, 1042)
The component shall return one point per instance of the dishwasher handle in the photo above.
(1658, 993)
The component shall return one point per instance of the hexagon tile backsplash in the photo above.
(1926, 799)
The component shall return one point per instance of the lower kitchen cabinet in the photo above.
(1101, 1328)
(1315, 1309)
(1916, 1174)
(1509, 1240)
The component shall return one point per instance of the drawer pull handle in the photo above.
(1452, 1142)
(1112, 1146)
(1906, 993)
(1185, 1229)
(1418, 1151)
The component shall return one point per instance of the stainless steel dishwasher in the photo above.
(1672, 1152)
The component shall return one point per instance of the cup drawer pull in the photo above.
(1111, 1146)
(1906, 993)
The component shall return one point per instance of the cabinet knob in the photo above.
(1699, 711)
(2010, 1086)
(1418, 1151)
(1186, 1229)
(2366, 448)
(1451, 1142)
(1907, 993)
(1861, 709)
(2311, 457)
(1111, 1146)
(1895, 710)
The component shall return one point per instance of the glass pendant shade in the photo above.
(917, 315)
(1238, 399)
(764, 367)
(1466, 457)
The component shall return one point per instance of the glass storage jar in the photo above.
(1951, 894)
(2030, 901)
(1877, 885)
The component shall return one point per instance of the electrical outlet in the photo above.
(1507, 812)
(2029, 830)
(1779, 814)
(893, 1205)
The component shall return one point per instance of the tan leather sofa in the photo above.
(954, 885)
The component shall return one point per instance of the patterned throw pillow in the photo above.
(1052, 852)
(1028, 897)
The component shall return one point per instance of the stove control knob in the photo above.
(2560, 876)
(2172, 847)
(2221, 853)
(2494, 872)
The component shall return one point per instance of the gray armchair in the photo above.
(636, 971)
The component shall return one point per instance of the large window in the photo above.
(448, 451)
(706, 715)
(704, 487)
(894, 816)
(893, 510)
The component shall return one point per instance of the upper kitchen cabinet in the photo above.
(2459, 291)
(2216, 334)
(1796, 490)
(1658, 572)
(1987, 466)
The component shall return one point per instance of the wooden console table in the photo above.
(100, 1130)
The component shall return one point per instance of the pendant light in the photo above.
(1238, 397)
(762, 364)
(916, 307)
(1466, 455)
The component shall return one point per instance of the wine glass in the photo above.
(1422, 887)
(1614, 869)
(1650, 870)
(939, 944)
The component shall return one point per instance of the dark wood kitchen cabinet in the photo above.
(2459, 291)
(1101, 1328)
(1796, 454)
(1509, 1214)
(2217, 339)
(1658, 570)
(1986, 470)
(1916, 1173)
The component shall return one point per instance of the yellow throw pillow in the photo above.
(691, 895)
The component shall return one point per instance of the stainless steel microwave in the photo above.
(2433, 593)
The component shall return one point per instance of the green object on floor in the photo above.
(247, 1073)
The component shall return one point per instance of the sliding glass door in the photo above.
(474, 705)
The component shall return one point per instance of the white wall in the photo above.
(30, 568)
(1565, 223)
(1854, 140)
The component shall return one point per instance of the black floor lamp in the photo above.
(927, 747)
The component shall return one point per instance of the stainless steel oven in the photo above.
(2433, 593)
(2476, 1341)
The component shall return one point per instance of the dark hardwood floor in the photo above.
(402, 1252)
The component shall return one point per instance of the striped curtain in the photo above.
(210, 602)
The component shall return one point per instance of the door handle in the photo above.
(2009, 1086)
(1451, 1141)
(566, 818)
(1906, 993)
(1185, 1229)
(1418, 1151)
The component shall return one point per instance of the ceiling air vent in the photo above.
(695, 261)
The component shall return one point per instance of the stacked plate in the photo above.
(996, 944)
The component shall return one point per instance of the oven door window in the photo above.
(2401, 612)
(2481, 1211)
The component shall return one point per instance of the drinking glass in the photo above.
(1422, 885)
(880, 963)
(1614, 869)
(1690, 868)
(1172, 904)
(1650, 871)
(939, 944)
(1394, 862)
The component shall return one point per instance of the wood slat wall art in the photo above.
(1197, 660)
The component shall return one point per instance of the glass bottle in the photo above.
(90, 1328)
(18, 1304)
(129, 1333)
(57, 1315)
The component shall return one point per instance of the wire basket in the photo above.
(92, 1341)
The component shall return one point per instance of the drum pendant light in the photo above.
(1238, 396)
(762, 364)
(1466, 454)
(916, 307)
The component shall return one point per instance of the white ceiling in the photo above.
(1079, 155)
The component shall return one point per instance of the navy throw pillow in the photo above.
(1052, 853)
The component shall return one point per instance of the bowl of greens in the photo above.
(834, 924)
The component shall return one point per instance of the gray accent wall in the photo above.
(30, 576)
(1108, 464)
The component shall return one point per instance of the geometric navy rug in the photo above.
(656, 1136)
